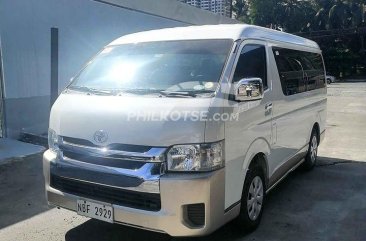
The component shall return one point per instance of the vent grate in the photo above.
(127, 198)
(196, 214)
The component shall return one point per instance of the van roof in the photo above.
(221, 31)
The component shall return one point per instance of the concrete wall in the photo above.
(85, 26)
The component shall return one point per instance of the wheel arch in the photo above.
(261, 160)
(316, 127)
(258, 153)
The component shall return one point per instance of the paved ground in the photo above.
(328, 203)
(346, 124)
(12, 148)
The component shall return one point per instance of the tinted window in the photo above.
(299, 71)
(315, 74)
(252, 63)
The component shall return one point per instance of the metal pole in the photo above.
(2, 96)
(54, 65)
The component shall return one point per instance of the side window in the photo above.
(299, 71)
(291, 73)
(252, 63)
(315, 74)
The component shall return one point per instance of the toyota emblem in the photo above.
(100, 136)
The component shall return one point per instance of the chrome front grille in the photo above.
(126, 167)
(116, 146)
(113, 151)
(101, 160)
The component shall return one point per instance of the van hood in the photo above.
(131, 119)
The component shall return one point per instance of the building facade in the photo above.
(221, 7)
(44, 43)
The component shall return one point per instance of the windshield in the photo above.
(171, 66)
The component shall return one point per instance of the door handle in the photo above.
(268, 108)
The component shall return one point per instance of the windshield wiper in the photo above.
(167, 93)
(184, 93)
(139, 91)
(90, 90)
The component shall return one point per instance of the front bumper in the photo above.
(176, 191)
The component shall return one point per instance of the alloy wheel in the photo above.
(255, 198)
(313, 148)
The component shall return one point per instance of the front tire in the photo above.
(252, 201)
(311, 156)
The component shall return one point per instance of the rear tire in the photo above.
(311, 156)
(252, 200)
(329, 81)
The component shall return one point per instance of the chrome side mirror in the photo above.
(249, 89)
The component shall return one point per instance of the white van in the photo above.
(181, 130)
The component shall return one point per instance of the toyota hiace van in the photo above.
(182, 130)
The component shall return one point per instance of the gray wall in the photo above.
(85, 26)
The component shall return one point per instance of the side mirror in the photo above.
(249, 89)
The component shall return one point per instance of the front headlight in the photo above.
(200, 157)
(53, 140)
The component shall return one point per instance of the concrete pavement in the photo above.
(328, 203)
(346, 124)
(12, 148)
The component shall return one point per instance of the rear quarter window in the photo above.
(299, 71)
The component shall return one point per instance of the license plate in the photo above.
(99, 211)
